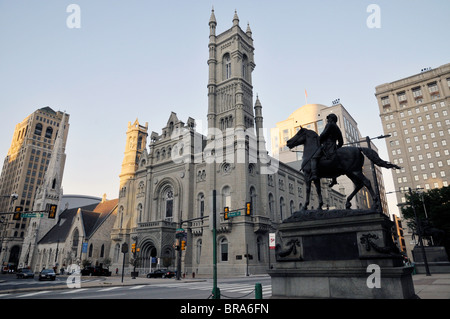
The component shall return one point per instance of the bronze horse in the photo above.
(347, 161)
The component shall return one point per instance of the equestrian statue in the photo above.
(324, 157)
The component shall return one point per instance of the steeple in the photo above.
(249, 31)
(235, 19)
(231, 63)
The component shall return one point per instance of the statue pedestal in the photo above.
(339, 254)
(437, 259)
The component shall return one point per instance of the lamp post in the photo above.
(419, 230)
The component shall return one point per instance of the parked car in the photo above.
(47, 274)
(23, 273)
(95, 271)
(161, 273)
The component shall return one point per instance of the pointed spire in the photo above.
(235, 18)
(212, 19)
(249, 31)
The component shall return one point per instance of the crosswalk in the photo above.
(228, 290)
(36, 282)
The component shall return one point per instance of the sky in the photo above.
(118, 61)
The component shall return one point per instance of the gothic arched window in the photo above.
(244, 67)
(201, 205)
(168, 203)
(227, 66)
(223, 249)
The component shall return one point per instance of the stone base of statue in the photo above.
(437, 259)
(339, 254)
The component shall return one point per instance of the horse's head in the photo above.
(297, 139)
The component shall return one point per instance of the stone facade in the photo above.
(173, 182)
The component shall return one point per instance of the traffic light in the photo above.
(17, 213)
(183, 245)
(226, 210)
(133, 248)
(248, 208)
(52, 211)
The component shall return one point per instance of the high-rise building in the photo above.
(313, 117)
(415, 112)
(23, 173)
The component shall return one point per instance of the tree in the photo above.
(436, 205)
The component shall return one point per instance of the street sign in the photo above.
(234, 213)
(32, 215)
(180, 233)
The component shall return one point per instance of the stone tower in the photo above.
(134, 147)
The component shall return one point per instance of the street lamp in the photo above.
(418, 228)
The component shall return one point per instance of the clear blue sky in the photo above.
(143, 59)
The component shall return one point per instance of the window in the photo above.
(139, 212)
(281, 207)
(271, 207)
(168, 203)
(227, 66)
(226, 197)
(201, 205)
(38, 129)
(244, 67)
(417, 92)
(223, 249)
(49, 132)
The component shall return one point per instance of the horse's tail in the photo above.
(373, 156)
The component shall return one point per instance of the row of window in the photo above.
(417, 94)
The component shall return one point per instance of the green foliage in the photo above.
(436, 205)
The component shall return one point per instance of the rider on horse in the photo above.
(328, 147)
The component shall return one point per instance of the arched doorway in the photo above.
(14, 255)
(149, 255)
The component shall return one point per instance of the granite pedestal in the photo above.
(339, 254)
(437, 259)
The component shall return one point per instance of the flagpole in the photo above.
(306, 97)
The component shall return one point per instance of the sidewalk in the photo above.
(436, 286)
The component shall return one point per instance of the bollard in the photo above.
(258, 291)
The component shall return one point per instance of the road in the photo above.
(231, 288)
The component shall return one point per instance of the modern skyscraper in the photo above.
(415, 112)
(23, 173)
